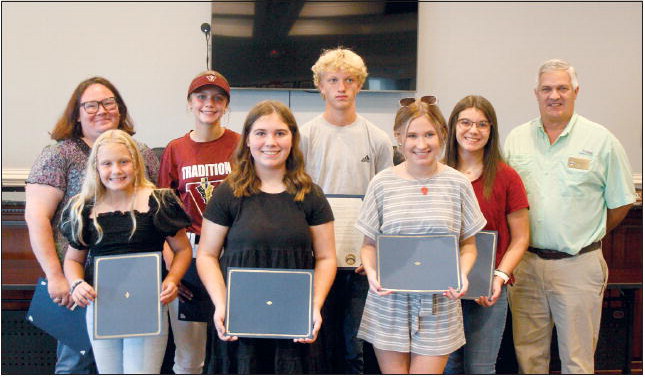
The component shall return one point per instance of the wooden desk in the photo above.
(20, 269)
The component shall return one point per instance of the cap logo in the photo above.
(211, 78)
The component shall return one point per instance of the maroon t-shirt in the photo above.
(508, 196)
(194, 169)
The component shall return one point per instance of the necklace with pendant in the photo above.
(424, 190)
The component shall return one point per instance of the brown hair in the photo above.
(414, 110)
(68, 126)
(244, 180)
(492, 154)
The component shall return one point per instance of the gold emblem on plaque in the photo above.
(350, 259)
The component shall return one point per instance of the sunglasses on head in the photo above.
(430, 100)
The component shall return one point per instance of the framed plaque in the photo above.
(349, 240)
(480, 278)
(67, 326)
(269, 303)
(418, 263)
(200, 308)
(127, 295)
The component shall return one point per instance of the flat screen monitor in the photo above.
(273, 44)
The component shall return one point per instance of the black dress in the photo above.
(267, 231)
(152, 229)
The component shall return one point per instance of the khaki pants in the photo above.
(565, 292)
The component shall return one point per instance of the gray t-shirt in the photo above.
(343, 159)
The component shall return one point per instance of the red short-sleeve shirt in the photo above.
(508, 196)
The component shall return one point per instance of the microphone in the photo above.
(206, 29)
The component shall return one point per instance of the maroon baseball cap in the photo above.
(210, 78)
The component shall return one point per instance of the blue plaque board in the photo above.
(269, 303)
(127, 295)
(200, 308)
(418, 263)
(67, 326)
(480, 278)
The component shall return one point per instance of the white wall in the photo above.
(495, 49)
(151, 51)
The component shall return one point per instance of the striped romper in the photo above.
(420, 323)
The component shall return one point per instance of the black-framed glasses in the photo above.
(467, 124)
(430, 100)
(92, 107)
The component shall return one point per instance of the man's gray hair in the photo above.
(558, 65)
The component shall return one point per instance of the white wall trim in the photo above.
(14, 177)
(638, 180)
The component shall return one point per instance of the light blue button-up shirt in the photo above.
(570, 183)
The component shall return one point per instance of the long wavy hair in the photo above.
(492, 154)
(68, 126)
(93, 191)
(244, 179)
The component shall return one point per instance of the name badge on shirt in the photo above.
(579, 163)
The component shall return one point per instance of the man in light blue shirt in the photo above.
(580, 187)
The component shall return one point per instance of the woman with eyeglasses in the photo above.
(193, 165)
(57, 174)
(415, 332)
(473, 149)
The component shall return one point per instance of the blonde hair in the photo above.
(243, 178)
(417, 109)
(93, 191)
(340, 59)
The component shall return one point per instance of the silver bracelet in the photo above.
(503, 275)
(75, 284)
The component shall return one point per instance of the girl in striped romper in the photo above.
(415, 332)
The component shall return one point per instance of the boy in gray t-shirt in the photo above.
(343, 151)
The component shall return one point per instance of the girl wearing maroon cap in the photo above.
(194, 165)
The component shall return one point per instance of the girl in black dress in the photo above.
(119, 211)
(267, 214)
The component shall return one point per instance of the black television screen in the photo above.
(273, 44)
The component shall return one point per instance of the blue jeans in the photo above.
(343, 311)
(484, 328)
(135, 355)
(70, 361)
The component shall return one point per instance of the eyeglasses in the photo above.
(92, 107)
(430, 100)
(467, 124)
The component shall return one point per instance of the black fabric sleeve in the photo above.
(221, 208)
(169, 215)
(317, 208)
